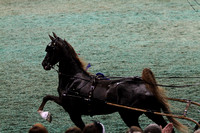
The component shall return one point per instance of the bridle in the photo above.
(66, 75)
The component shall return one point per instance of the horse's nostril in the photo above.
(43, 63)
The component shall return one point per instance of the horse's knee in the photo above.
(130, 117)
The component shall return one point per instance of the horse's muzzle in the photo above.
(46, 66)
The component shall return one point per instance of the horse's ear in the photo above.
(54, 34)
(51, 37)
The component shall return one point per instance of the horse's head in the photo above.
(60, 50)
(54, 51)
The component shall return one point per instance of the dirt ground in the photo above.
(118, 38)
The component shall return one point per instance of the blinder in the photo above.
(49, 48)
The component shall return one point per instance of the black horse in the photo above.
(81, 93)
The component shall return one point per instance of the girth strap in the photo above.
(90, 94)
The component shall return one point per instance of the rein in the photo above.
(117, 77)
(162, 85)
(171, 77)
(66, 75)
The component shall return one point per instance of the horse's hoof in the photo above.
(45, 115)
(49, 117)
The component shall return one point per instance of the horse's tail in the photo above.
(151, 84)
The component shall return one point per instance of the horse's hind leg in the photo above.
(158, 119)
(46, 115)
(130, 117)
(76, 118)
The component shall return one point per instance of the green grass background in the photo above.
(118, 37)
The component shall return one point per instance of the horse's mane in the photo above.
(74, 55)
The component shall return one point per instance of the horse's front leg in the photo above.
(46, 115)
(76, 118)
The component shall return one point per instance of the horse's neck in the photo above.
(69, 67)
(68, 70)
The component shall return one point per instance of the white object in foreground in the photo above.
(45, 115)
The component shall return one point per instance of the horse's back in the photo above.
(130, 92)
